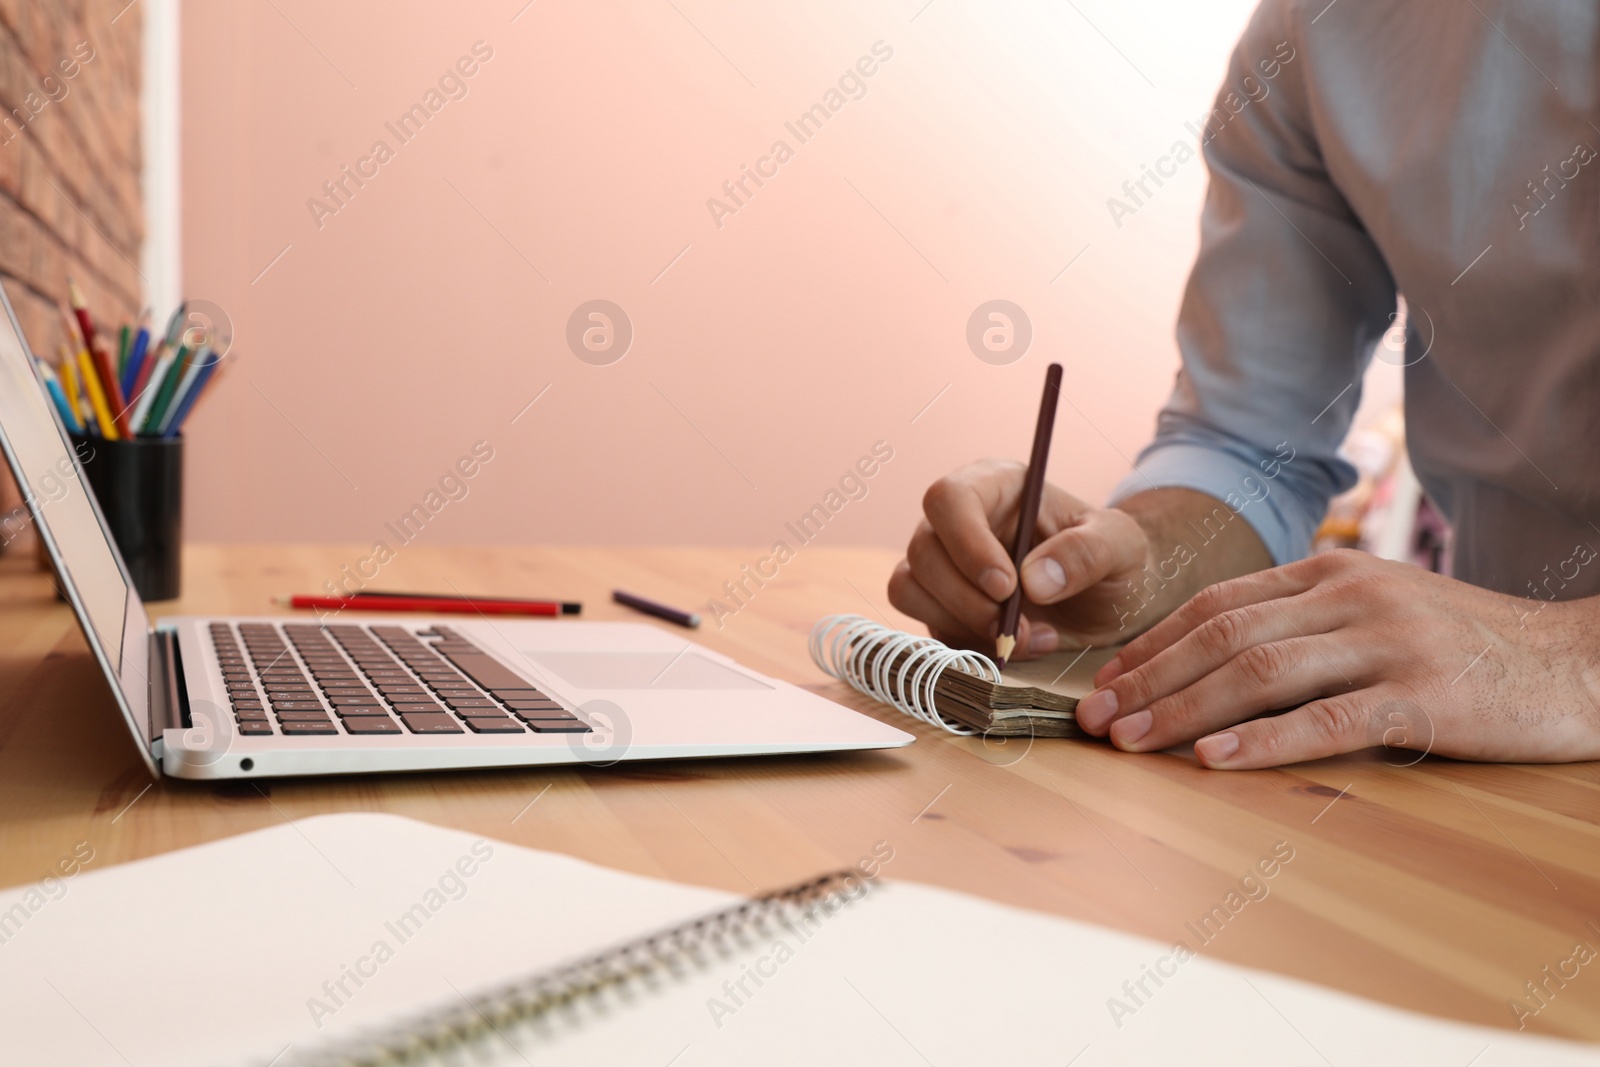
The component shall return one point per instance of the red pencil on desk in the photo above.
(568, 607)
(453, 605)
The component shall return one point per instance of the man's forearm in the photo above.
(1195, 540)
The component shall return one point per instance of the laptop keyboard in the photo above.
(303, 679)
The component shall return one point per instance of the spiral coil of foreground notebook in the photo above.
(897, 668)
(425, 1037)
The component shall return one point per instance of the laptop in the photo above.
(231, 697)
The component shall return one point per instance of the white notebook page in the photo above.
(219, 954)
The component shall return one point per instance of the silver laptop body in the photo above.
(231, 697)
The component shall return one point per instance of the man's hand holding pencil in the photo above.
(958, 573)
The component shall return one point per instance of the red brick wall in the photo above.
(69, 163)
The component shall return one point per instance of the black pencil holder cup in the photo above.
(139, 485)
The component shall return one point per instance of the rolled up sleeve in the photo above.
(1286, 301)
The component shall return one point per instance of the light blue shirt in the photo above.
(1432, 147)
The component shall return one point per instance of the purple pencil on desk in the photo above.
(660, 611)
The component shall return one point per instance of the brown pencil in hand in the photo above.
(1028, 512)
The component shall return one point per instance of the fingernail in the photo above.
(1044, 578)
(1218, 748)
(1096, 709)
(1109, 671)
(1127, 731)
(1041, 639)
(995, 582)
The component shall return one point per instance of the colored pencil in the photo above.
(457, 606)
(568, 607)
(204, 388)
(129, 382)
(97, 397)
(69, 385)
(189, 392)
(80, 393)
(137, 349)
(1028, 512)
(151, 359)
(80, 309)
(160, 365)
(168, 388)
(99, 354)
(52, 386)
(175, 325)
(104, 362)
(660, 611)
(191, 374)
(96, 355)
(67, 417)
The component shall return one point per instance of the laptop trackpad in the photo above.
(642, 670)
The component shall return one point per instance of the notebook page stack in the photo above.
(1037, 697)
(959, 690)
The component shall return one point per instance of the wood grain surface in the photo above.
(1443, 887)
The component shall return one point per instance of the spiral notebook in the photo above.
(958, 690)
(365, 938)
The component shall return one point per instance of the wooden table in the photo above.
(1442, 887)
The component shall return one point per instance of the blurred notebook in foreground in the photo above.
(372, 939)
(958, 690)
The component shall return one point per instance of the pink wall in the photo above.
(821, 317)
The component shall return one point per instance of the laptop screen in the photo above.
(43, 462)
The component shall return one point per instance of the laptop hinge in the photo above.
(166, 684)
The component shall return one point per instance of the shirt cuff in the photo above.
(1269, 504)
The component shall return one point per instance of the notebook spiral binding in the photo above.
(898, 668)
(425, 1037)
